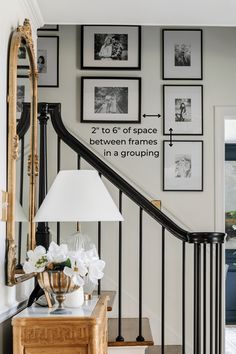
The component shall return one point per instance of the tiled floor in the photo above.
(230, 340)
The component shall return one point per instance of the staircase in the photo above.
(203, 317)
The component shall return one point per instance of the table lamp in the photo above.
(78, 196)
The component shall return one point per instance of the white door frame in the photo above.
(221, 113)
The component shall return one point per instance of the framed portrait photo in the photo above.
(182, 109)
(111, 47)
(182, 54)
(48, 61)
(183, 165)
(111, 100)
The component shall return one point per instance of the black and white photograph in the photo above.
(23, 60)
(110, 100)
(22, 52)
(183, 165)
(42, 61)
(48, 61)
(111, 47)
(183, 109)
(182, 54)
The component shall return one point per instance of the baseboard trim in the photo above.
(13, 311)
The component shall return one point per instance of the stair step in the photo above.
(111, 294)
(169, 349)
(129, 332)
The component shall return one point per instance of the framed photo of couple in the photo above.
(182, 54)
(110, 99)
(111, 47)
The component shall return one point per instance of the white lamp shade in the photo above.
(19, 213)
(78, 195)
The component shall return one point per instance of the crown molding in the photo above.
(34, 13)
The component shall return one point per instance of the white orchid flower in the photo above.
(75, 275)
(94, 264)
(96, 270)
(77, 259)
(57, 254)
(37, 260)
(90, 255)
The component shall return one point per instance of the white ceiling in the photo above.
(143, 12)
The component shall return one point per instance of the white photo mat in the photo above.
(47, 47)
(183, 166)
(186, 121)
(192, 39)
(88, 47)
(132, 87)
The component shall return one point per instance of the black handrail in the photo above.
(125, 187)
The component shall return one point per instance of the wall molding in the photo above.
(13, 311)
(36, 18)
(221, 113)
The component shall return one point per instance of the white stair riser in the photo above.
(126, 350)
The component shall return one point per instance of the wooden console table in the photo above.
(84, 331)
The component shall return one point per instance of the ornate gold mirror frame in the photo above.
(21, 36)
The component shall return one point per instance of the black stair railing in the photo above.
(207, 246)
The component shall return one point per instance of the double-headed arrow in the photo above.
(151, 115)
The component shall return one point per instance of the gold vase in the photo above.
(59, 284)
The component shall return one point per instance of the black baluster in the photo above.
(140, 337)
(163, 293)
(183, 294)
(42, 233)
(216, 298)
(197, 299)
(99, 247)
(220, 299)
(211, 298)
(58, 169)
(204, 299)
(99, 253)
(120, 338)
(78, 162)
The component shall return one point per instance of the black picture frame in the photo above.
(23, 71)
(95, 65)
(189, 95)
(185, 178)
(45, 81)
(131, 94)
(49, 29)
(166, 56)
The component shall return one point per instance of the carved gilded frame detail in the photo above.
(21, 35)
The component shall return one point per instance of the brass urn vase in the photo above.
(58, 283)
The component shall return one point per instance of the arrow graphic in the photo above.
(151, 115)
